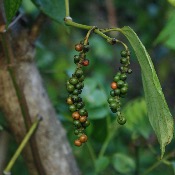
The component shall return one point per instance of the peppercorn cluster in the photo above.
(74, 87)
(120, 86)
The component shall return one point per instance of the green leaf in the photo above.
(167, 35)
(101, 164)
(55, 9)
(137, 122)
(11, 7)
(158, 111)
(123, 163)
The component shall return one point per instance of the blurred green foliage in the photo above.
(111, 149)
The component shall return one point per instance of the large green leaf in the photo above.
(55, 9)
(11, 7)
(158, 111)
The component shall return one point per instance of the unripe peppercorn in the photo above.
(73, 81)
(83, 138)
(124, 90)
(79, 73)
(77, 142)
(75, 115)
(116, 78)
(114, 85)
(123, 60)
(121, 120)
(123, 76)
(124, 53)
(129, 71)
(120, 83)
(72, 108)
(76, 132)
(79, 47)
(112, 93)
(70, 88)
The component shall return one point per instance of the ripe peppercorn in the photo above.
(79, 47)
(114, 85)
(76, 115)
(83, 138)
(77, 143)
(82, 119)
(85, 62)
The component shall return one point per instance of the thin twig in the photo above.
(21, 146)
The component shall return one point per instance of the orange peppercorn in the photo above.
(76, 115)
(114, 85)
(83, 138)
(77, 142)
(82, 119)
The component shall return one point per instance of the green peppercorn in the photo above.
(120, 83)
(75, 98)
(79, 73)
(83, 112)
(87, 123)
(117, 91)
(124, 53)
(116, 78)
(121, 120)
(76, 132)
(75, 92)
(112, 93)
(77, 123)
(123, 69)
(113, 105)
(70, 88)
(86, 48)
(72, 108)
(111, 99)
(123, 76)
(73, 80)
(80, 105)
(79, 86)
(129, 71)
(76, 59)
(125, 85)
(124, 90)
(123, 60)
(81, 79)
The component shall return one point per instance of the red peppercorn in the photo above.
(85, 62)
(114, 85)
(79, 47)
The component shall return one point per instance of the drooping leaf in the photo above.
(158, 111)
(11, 7)
(55, 9)
(123, 163)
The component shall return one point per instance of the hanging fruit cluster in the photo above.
(74, 87)
(120, 86)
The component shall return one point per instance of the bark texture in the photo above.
(51, 149)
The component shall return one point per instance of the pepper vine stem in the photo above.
(22, 145)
